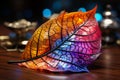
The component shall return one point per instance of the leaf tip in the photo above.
(92, 11)
(95, 8)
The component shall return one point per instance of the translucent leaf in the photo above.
(69, 42)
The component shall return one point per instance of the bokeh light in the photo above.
(57, 5)
(47, 13)
(98, 17)
(82, 9)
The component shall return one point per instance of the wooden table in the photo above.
(106, 67)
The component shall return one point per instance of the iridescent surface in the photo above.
(69, 42)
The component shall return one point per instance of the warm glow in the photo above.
(107, 22)
(107, 13)
(24, 42)
(65, 43)
(80, 20)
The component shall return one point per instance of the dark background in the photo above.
(11, 10)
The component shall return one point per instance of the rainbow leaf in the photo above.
(69, 42)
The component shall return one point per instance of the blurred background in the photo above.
(11, 10)
(39, 11)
